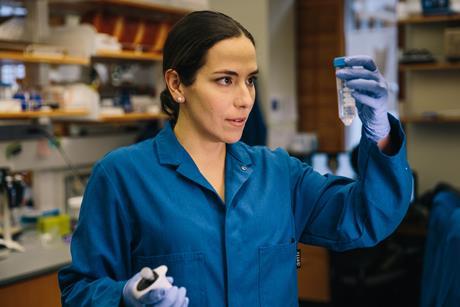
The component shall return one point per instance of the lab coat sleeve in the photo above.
(100, 247)
(340, 213)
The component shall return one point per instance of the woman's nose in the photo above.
(245, 97)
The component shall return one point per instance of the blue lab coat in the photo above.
(441, 272)
(148, 205)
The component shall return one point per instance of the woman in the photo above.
(225, 218)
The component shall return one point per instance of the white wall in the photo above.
(282, 81)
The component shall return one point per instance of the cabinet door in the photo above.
(313, 275)
(42, 291)
(320, 38)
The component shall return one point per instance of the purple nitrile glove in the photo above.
(172, 297)
(371, 94)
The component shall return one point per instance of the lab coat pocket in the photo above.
(278, 275)
(185, 268)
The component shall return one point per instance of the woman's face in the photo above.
(218, 103)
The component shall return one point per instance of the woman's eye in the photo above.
(251, 81)
(225, 81)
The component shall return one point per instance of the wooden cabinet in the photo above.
(313, 275)
(41, 291)
(320, 38)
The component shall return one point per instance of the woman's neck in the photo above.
(208, 156)
(204, 152)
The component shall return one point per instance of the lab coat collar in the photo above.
(239, 152)
(237, 171)
(171, 152)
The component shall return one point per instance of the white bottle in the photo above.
(346, 102)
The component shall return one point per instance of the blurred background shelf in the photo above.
(38, 114)
(435, 119)
(430, 66)
(129, 55)
(429, 19)
(78, 114)
(136, 7)
(130, 117)
(11, 56)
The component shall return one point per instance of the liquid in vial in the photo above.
(346, 102)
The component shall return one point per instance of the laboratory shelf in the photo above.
(418, 19)
(430, 66)
(80, 116)
(434, 119)
(39, 114)
(82, 6)
(12, 56)
(130, 117)
(128, 55)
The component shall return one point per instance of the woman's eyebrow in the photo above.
(226, 72)
(234, 73)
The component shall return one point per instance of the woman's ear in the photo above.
(174, 85)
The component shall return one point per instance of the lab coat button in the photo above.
(244, 168)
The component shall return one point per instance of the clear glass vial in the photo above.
(346, 102)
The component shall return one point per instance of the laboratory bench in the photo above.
(30, 278)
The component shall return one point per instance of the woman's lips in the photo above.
(237, 122)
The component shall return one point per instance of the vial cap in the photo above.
(339, 62)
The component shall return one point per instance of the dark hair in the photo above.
(187, 44)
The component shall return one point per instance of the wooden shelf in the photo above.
(418, 19)
(130, 117)
(38, 114)
(11, 56)
(128, 55)
(435, 119)
(430, 66)
(78, 114)
(86, 5)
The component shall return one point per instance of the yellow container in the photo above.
(61, 222)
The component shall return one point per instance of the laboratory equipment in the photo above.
(151, 287)
(8, 196)
(73, 206)
(151, 280)
(370, 92)
(346, 102)
(21, 96)
(59, 224)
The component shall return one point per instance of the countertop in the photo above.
(38, 259)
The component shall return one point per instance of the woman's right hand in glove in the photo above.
(172, 297)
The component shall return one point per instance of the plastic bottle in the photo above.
(346, 102)
(21, 96)
(35, 101)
